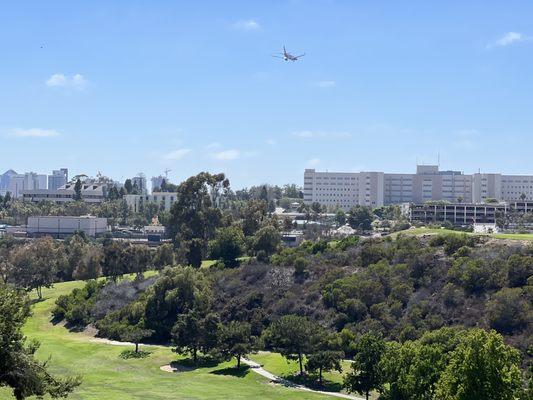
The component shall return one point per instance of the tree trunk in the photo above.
(136, 347)
(39, 292)
(367, 394)
(301, 365)
(195, 355)
(238, 361)
(320, 376)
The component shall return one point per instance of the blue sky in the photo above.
(124, 87)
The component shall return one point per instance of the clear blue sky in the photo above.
(139, 86)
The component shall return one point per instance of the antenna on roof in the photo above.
(438, 159)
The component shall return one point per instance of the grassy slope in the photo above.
(107, 376)
(508, 236)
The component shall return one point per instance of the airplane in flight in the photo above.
(287, 56)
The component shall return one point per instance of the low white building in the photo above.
(90, 193)
(61, 226)
(136, 202)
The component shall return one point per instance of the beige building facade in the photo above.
(429, 183)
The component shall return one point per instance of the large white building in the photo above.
(90, 193)
(346, 189)
(61, 226)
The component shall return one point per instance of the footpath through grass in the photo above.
(107, 376)
(278, 365)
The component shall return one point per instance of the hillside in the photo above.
(106, 375)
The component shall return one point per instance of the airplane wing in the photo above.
(301, 55)
(276, 56)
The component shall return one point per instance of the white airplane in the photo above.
(287, 56)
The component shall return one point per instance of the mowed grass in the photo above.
(107, 376)
(278, 365)
(434, 231)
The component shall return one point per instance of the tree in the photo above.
(325, 354)
(113, 263)
(365, 374)
(196, 215)
(508, 311)
(360, 217)
(77, 190)
(340, 217)
(177, 291)
(264, 194)
(136, 259)
(19, 370)
(90, 266)
(292, 191)
(135, 334)
(164, 256)
(412, 369)
(128, 186)
(520, 268)
(36, 265)
(300, 265)
(228, 245)
(236, 340)
(267, 239)
(195, 332)
(290, 336)
(481, 367)
(253, 215)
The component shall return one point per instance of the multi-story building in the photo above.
(5, 178)
(140, 182)
(15, 183)
(136, 202)
(343, 188)
(58, 178)
(157, 181)
(90, 193)
(374, 189)
(464, 214)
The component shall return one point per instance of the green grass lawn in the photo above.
(278, 365)
(107, 376)
(433, 231)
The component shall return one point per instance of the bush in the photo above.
(127, 354)
(300, 265)
(75, 307)
(347, 242)
(508, 311)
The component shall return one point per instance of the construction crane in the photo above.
(166, 172)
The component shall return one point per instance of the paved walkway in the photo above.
(256, 367)
(263, 372)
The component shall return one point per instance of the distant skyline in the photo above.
(132, 86)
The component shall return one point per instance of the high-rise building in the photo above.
(5, 178)
(140, 182)
(58, 178)
(157, 181)
(374, 189)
